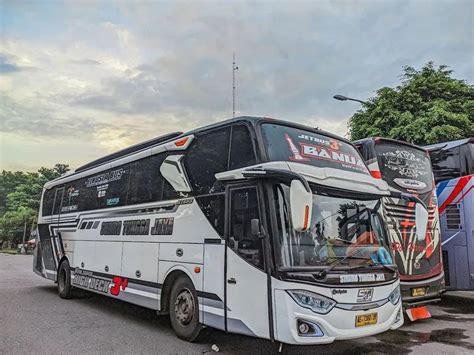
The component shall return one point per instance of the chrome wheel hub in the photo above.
(184, 307)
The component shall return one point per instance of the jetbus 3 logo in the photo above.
(118, 283)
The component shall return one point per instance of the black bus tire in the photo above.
(184, 309)
(65, 289)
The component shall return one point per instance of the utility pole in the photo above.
(234, 68)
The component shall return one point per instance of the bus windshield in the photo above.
(284, 143)
(404, 167)
(453, 162)
(342, 229)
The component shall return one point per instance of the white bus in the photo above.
(252, 225)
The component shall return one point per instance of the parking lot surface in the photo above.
(33, 319)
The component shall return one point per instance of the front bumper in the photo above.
(338, 324)
(435, 287)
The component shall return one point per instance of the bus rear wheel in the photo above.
(184, 309)
(65, 289)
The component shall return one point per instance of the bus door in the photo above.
(246, 300)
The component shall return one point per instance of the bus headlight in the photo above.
(394, 297)
(312, 301)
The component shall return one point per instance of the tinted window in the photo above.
(244, 207)
(146, 182)
(207, 156)
(48, 201)
(58, 200)
(285, 143)
(109, 187)
(453, 163)
(71, 197)
(241, 149)
(213, 207)
(404, 167)
(169, 193)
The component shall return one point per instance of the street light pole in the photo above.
(345, 98)
(234, 68)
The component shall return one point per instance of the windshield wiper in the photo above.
(383, 265)
(322, 274)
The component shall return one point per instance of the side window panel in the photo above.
(207, 156)
(244, 207)
(241, 151)
(146, 182)
(58, 196)
(48, 201)
(107, 188)
(71, 196)
(88, 200)
(169, 193)
(213, 207)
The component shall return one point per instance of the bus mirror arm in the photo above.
(301, 196)
(277, 174)
(256, 229)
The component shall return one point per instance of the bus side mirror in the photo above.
(255, 228)
(301, 204)
(421, 220)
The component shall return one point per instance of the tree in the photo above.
(429, 106)
(20, 195)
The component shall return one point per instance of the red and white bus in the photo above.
(407, 168)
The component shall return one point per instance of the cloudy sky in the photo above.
(80, 79)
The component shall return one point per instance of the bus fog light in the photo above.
(309, 329)
(303, 328)
(313, 301)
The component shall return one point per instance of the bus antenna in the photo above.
(234, 68)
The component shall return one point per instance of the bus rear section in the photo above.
(453, 168)
(406, 168)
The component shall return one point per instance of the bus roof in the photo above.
(376, 139)
(449, 145)
(256, 120)
(140, 147)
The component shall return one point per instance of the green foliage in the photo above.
(429, 106)
(20, 195)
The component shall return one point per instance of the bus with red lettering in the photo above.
(407, 168)
(251, 225)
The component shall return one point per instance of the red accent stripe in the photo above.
(460, 198)
(457, 189)
(306, 217)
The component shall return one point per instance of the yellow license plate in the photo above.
(419, 291)
(366, 319)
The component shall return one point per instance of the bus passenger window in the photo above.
(241, 148)
(145, 183)
(244, 207)
(208, 155)
(48, 201)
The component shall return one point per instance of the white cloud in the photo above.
(115, 75)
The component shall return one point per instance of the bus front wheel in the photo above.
(65, 289)
(184, 309)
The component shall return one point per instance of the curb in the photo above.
(458, 296)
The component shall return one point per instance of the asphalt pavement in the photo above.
(33, 319)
